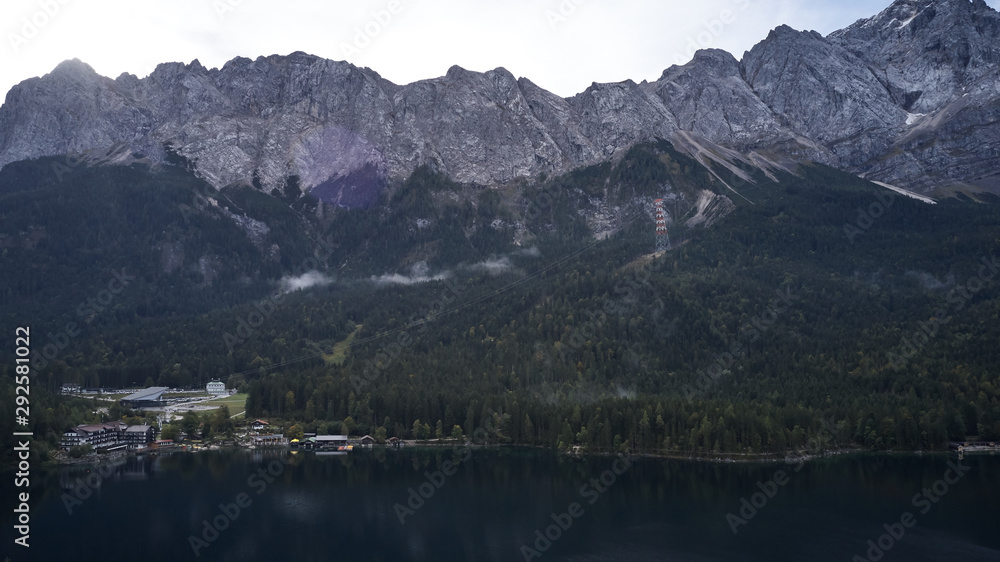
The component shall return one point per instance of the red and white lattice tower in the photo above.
(662, 238)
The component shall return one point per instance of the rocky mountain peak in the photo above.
(709, 96)
(717, 61)
(927, 53)
(787, 33)
(74, 68)
(823, 92)
(456, 72)
(866, 99)
(903, 13)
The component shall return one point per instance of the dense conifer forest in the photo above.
(822, 309)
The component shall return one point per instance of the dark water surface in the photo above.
(497, 500)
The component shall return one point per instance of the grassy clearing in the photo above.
(237, 403)
(340, 349)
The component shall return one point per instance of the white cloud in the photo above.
(419, 273)
(493, 266)
(308, 279)
(532, 252)
(929, 282)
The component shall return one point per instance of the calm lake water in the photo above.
(312, 507)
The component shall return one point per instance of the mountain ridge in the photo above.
(883, 98)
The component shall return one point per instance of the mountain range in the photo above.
(348, 251)
(909, 97)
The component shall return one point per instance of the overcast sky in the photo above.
(561, 45)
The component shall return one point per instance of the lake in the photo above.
(510, 504)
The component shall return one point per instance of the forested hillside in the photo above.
(820, 307)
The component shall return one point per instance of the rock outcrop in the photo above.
(910, 97)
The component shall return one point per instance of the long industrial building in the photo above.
(147, 398)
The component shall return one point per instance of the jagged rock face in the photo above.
(276, 116)
(69, 111)
(478, 126)
(824, 92)
(562, 122)
(909, 97)
(324, 121)
(616, 116)
(939, 62)
(709, 96)
(957, 145)
(928, 52)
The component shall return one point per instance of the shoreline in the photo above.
(710, 458)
